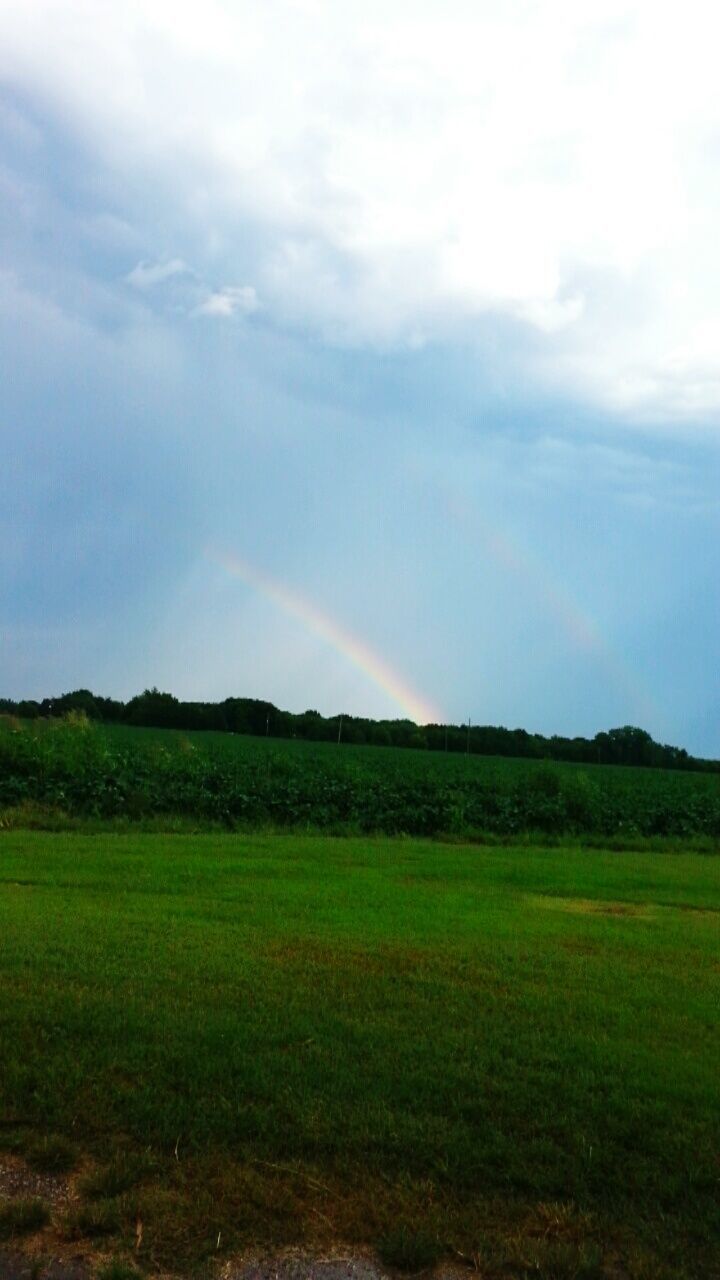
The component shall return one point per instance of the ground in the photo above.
(499, 1057)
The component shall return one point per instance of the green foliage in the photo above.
(625, 746)
(559, 1260)
(121, 1174)
(22, 1218)
(408, 1249)
(74, 769)
(117, 1270)
(52, 1154)
(94, 1220)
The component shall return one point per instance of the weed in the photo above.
(22, 1218)
(13, 1140)
(409, 1249)
(53, 1154)
(99, 1218)
(124, 1171)
(559, 1260)
(116, 1269)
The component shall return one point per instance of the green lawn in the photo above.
(509, 1054)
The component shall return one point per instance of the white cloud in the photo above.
(392, 173)
(225, 302)
(147, 274)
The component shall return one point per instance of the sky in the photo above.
(364, 357)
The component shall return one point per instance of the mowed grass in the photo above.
(505, 1056)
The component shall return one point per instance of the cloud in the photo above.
(225, 302)
(148, 274)
(398, 176)
(188, 286)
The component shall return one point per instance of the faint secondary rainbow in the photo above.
(579, 626)
(351, 647)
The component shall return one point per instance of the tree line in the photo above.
(153, 709)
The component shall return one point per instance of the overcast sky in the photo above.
(410, 309)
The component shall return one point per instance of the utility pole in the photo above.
(267, 724)
(467, 747)
(446, 737)
(340, 730)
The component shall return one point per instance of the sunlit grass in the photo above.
(283, 1039)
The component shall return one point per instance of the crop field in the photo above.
(507, 1058)
(52, 771)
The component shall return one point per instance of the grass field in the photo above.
(505, 1056)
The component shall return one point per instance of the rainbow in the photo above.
(351, 647)
(580, 628)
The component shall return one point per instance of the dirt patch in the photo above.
(18, 1266)
(581, 947)
(352, 958)
(696, 911)
(592, 906)
(43, 1255)
(298, 1265)
(18, 1182)
(287, 1266)
(620, 909)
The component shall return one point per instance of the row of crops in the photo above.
(82, 771)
